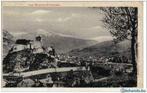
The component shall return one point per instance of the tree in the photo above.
(122, 23)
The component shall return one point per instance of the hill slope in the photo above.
(105, 48)
(66, 44)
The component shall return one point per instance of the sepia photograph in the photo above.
(50, 45)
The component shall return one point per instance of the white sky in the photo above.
(76, 22)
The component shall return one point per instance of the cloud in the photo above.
(65, 35)
(18, 33)
(43, 32)
(63, 19)
(11, 13)
(40, 12)
(39, 20)
(96, 27)
(71, 16)
(77, 22)
(102, 38)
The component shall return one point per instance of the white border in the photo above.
(145, 43)
(0, 47)
(78, 0)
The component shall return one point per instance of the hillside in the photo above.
(66, 44)
(105, 48)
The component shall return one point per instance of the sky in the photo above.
(77, 22)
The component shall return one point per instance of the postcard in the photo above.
(72, 45)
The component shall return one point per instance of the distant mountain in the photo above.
(105, 48)
(66, 44)
(61, 43)
(8, 41)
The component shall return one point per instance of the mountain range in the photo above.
(60, 42)
(70, 45)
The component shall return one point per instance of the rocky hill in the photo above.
(8, 41)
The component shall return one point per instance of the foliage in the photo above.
(122, 23)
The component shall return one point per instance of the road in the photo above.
(45, 71)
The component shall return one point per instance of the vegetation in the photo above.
(123, 24)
